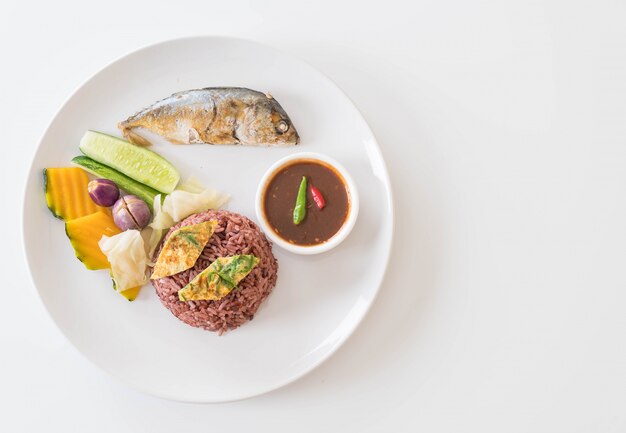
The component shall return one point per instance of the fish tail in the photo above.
(129, 133)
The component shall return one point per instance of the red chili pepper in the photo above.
(318, 198)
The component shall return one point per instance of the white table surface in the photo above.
(504, 129)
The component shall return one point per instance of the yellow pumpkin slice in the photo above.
(131, 294)
(66, 193)
(84, 234)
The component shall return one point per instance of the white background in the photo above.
(504, 129)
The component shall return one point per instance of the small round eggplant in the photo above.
(130, 212)
(103, 192)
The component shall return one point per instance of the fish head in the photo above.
(267, 123)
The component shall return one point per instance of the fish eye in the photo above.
(283, 126)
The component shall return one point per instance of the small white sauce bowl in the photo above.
(342, 233)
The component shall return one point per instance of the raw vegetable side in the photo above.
(84, 234)
(129, 212)
(103, 192)
(94, 230)
(124, 182)
(138, 163)
(68, 182)
(127, 255)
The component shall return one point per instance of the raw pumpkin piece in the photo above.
(131, 293)
(84, 234)
(66, 193)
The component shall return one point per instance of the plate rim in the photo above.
(383, 174)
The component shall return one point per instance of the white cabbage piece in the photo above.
(188, 198)
(160, 220)
(153, 237)
(125, 251)
(192, 197)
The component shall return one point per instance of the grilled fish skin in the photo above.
(214, 115)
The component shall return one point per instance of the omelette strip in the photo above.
(182, 249)
(218, 279)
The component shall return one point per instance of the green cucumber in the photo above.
(124, 182)
(136, 162)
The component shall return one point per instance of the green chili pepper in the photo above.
(299, 211)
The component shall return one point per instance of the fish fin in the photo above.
(194, 136)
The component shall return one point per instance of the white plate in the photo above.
(318, 301)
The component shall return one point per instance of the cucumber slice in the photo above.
(124, 182)
(136, 162)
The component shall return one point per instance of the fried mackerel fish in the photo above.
(214, 115)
